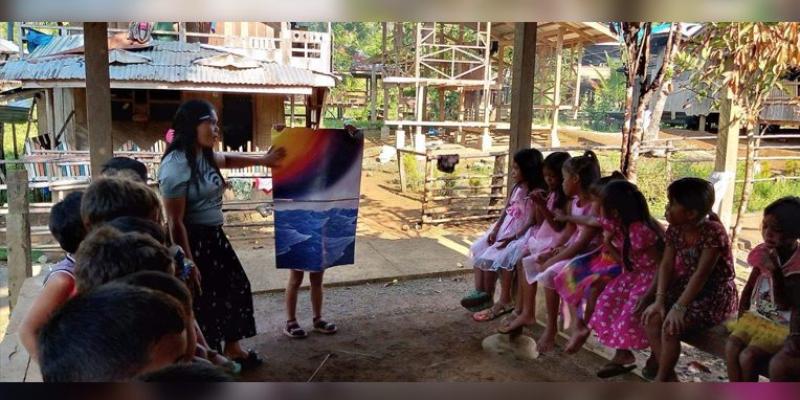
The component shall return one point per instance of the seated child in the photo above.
(109, 198)
(125, 167)
(502, 246)
(59, 285)
(108, 254)
(695, 280)
(765, 307)
(112, 333)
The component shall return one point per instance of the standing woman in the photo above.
(191, 187)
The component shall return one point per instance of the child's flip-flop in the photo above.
(322, 326)
(294, 331)
(611, 370)
(492, 313)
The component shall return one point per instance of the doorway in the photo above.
(237, 120)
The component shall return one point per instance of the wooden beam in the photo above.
(577, 82)
(554, 142)
(373, 95)
(18, 234)
(522, 77)
(98, 94)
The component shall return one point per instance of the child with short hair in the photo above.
(59, 285)
(696, 277)
(635, 240)
(547, 205)
(109, 198)
(579, 174)
(503, 247)
(125, 167)
(112, 333)
(765, 306)
(108, 254)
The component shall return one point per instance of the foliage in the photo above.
(608, 97)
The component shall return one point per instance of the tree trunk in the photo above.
(658, 111)
(748, 185)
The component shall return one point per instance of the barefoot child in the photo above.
(764, 310)
(579, 174)
(695, 277)
(616, 318)
(59, 285)
(584, 277)
(542, 240)
(501, 247)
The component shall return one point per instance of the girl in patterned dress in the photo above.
(638, 248)
(500, 248)
(764, 310)
(695, 277)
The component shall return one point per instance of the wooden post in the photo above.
(286, 43)
(14, 140)
(486, 138)
(418, 85)
(701, 126)
(441, 104)
(522, 77)
(98, 94)
(182, 31)
(497, 180)
(373, 95)
(577, 102)
(383, 73)
(428, 186)
(401, 168)
(554, 142)
(291, 111)
(501, 72)
(727, 154)
(18, 233)
(462, 137)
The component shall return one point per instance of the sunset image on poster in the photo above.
(316, 192)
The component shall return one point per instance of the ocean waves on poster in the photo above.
(304, 242)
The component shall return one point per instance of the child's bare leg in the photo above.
(316, 293)
(582, 331)
(751, 360)
(506, 280)
(489, 282)
(733, 347)
(295, 280)
(670, 351)
(784, 367)
(653, 331)
(548, 339)
(479, 280)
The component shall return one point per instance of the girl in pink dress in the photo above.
(547, 207)
(579, 174)
(500, 248)
(695, 277)
(617, 314)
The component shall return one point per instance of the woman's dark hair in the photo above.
(586, 167)
(555, 162)
(139, 225)
(189, 115)
(786, 211)
(693, 194)
(627, 201)
(530, 162)
(596, 189)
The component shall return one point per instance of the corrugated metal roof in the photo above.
(172, 62)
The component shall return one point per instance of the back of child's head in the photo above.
(585, 167)
(530, 163)
(693, 194)
(596, 189)
(554, 163)
(139, 225)
(624, 201)
(109, 254)
(110, 334)
(65, 222)
(161, 282)
(125, 167)
(187, 372)
(109, 198)
(786, 212)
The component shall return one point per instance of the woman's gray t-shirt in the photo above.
(203, 197)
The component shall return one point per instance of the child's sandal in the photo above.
(294, 331)
(322, 326)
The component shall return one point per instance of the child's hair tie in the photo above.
(170, 135)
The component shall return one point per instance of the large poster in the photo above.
(316, 189)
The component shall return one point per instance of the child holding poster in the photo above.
(316, 193)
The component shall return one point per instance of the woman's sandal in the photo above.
(324, 327)
(294, 331)
(493, 312)
(250, 361)
(611, 370)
